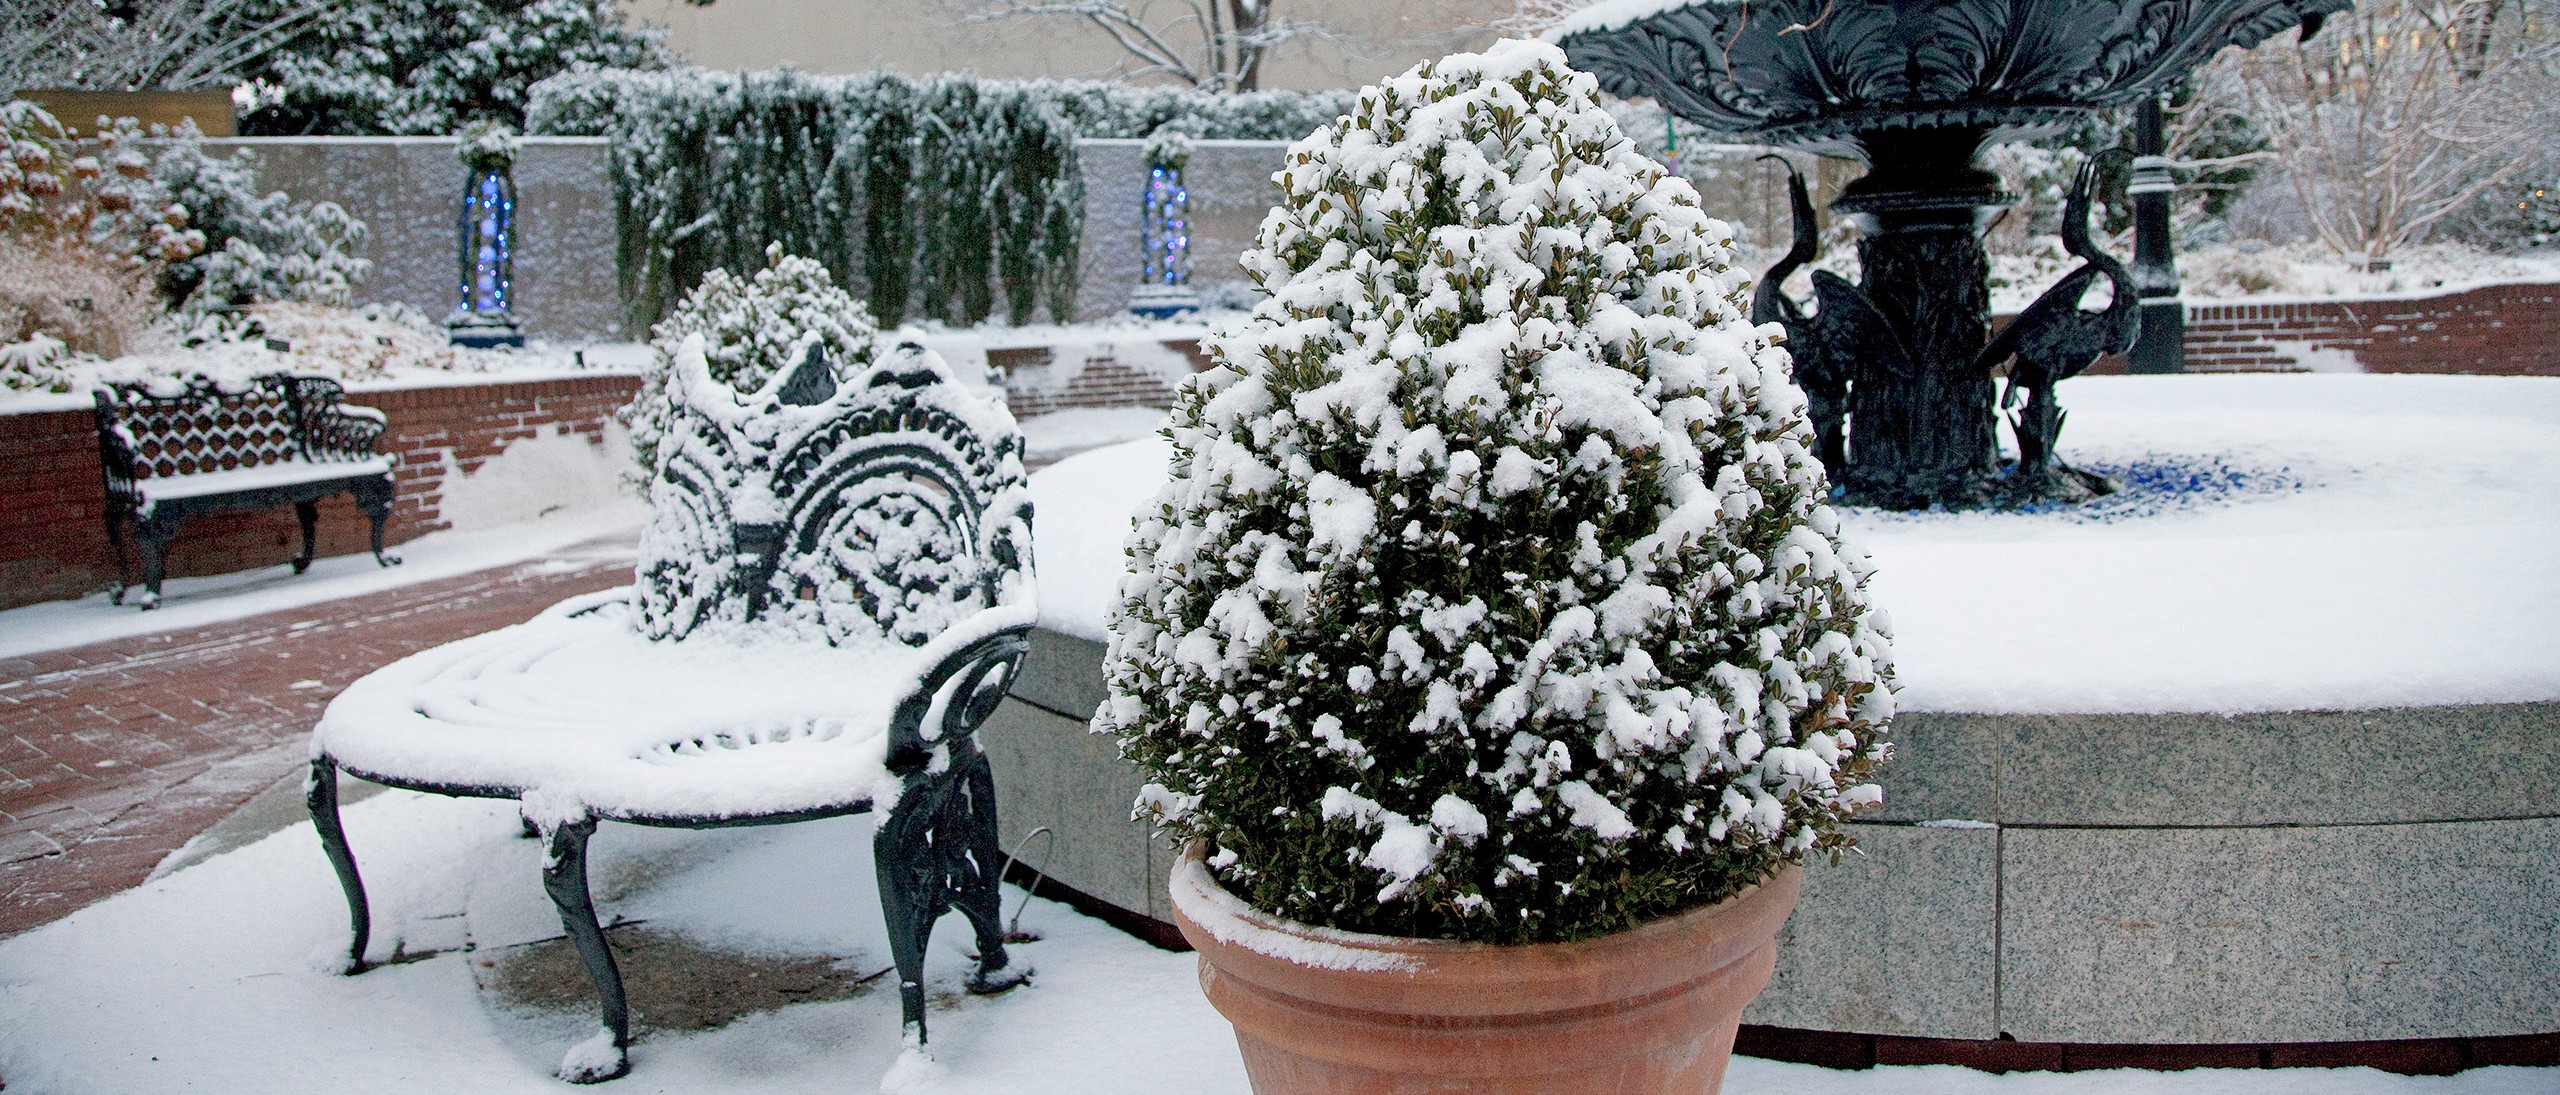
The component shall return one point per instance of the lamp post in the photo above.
(1164, 231)
(486, 241)
(2162, 347)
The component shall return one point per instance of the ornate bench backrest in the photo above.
(891, 504)
(203, 428)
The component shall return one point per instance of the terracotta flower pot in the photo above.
(1324, 1012)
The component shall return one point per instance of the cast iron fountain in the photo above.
(1916, 89)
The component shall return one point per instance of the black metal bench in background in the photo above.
(286, 441)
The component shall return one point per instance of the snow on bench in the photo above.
(835, 591)
(287, 441)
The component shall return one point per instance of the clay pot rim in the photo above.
(1349, 968)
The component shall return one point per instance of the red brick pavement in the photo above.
(114, 755)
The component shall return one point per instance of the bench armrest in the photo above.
(117, 455)
(964, 687)
(343, 433)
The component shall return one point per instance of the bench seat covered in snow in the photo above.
(834, 592)
(285, 441)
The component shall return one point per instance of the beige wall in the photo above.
(1370, 39)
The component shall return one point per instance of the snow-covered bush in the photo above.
(95, 193)
(921, 195)
(1493, 596)
(429, 66)
(750, 326)
(84, 228)
(258, 247)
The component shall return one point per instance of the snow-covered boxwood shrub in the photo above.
(429, 66)
(259, 247)
(1493, 595)
(750, 327)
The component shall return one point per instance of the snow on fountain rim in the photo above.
(2359, 542)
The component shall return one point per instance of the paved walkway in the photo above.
(114, 755)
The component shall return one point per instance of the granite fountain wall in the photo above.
(2115, 889)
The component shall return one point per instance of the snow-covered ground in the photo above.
(2312, 540)
(540, 498)
(213, 978)
(2286, 542)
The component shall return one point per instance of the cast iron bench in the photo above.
(286, 441)
(834, 592)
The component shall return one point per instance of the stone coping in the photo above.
(2057, 892)
(2396, 765)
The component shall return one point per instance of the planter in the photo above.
(1338, 1013)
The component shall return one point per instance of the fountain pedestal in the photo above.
(1924, 412)
(1914, 90)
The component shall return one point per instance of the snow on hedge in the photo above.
(1492, 595)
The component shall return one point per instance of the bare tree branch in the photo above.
(1213, 45)
(174, 44)
(2398, 115)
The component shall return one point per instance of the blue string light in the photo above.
(489, 212)
(1166, 228)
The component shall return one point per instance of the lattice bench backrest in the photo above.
(206, 429)
(893, 503)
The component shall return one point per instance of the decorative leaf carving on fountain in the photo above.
(1811, 73)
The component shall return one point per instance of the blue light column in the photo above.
(1164, 232)
(487, 232)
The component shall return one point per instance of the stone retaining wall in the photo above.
(2094, 881)
(53, 541)
(408, 192)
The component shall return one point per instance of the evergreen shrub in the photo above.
(258, 247)
(925, 196)
(928, 197)
(430, 66)
(1493, 595)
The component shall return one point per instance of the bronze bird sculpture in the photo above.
(1828, 347)
(2052, 340)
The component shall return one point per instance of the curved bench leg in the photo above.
(154, 533)
(971, 816)
(374, 500)
(116, 517)
(564, 876)
(935, 851)
(911, 897)
(307, 513)
(320, 793)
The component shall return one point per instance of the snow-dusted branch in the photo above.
(2400, 114)
(1213, 45)
(149, 44)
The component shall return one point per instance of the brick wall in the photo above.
(2496, 330)
(53, 541)
(2500, 330)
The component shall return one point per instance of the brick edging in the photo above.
(2406, 1056)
